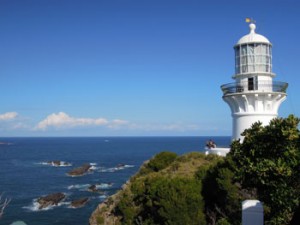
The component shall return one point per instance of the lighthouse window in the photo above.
(244, 60)
(263, 49)
(251, 61)
(237, 60)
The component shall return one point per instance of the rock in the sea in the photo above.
(79, 202)
(50, 200)
(93, 188)
(80, 170)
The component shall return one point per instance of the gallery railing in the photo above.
(275, 86)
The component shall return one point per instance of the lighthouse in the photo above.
(254, 95)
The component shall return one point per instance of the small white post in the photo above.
(253, 212)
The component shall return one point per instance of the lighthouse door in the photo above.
(250, 84)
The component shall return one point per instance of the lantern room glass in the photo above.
(253, 58)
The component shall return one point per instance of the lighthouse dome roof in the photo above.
(253, 37)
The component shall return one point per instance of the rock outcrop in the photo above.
(50, 200)
(79, 171)
(93, 188)
(79, 202)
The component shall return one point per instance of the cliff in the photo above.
(128, 203)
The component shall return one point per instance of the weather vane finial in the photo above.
(250, 20)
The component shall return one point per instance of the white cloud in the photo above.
(63, 120)
(8, 116)
(115, 124)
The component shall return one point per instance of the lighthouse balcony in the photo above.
(261, 86)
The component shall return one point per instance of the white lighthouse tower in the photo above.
(254, 96)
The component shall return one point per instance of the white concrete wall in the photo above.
(244, 121)
(252, 212)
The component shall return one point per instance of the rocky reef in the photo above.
(50, 200)
(80, 171)
(79, 202)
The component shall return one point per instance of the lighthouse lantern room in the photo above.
(254, 96)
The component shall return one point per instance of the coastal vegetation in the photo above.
(207, 189)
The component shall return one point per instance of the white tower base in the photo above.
(243, 121)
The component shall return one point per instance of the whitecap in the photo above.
(114, 169)
(42, 163)
(63, 164)
(104, 185)
(109, 170)
(79, 186)
(129, 166)
(51, 163)
(34, 207)
(92, 168)
(85, 187)
(102, 196)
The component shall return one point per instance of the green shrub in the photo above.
(161, 161)
(221, 194)
(174, 201)
(125, 208)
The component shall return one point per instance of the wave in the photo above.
(55, 163)
(93, 168)
(35, 206)
(84, 187)
(101, 197)
(80, 187)
(104, 185)
(114, 169)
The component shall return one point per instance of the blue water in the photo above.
(24, 177)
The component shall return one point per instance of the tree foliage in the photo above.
(269, 160)
(222, 195)
(174, 201)
(265, 166)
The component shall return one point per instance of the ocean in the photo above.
(25, 174)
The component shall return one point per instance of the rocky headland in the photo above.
(184, 167)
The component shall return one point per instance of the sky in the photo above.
(133, 67)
